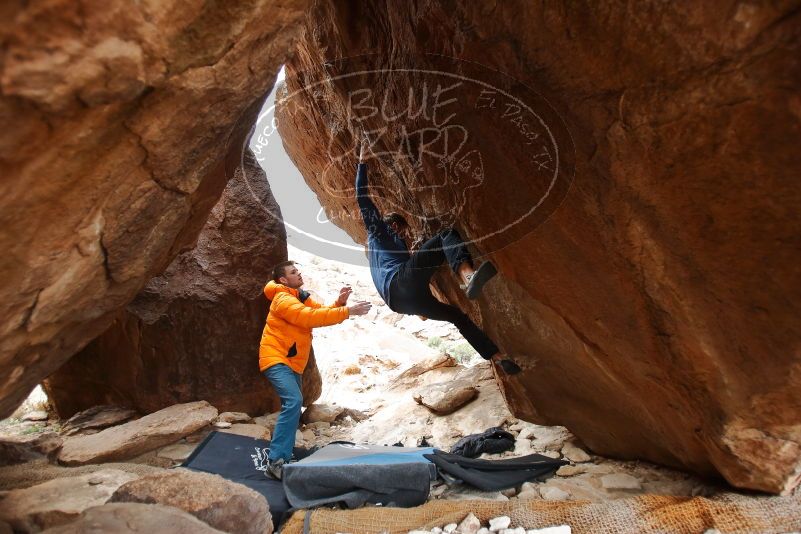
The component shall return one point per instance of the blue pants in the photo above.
(287, 384)
(409, 292)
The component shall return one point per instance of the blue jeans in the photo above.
(287, 384)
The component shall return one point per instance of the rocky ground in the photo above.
(387, 379)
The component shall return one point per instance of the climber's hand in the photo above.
(344, 293)
(360, 308)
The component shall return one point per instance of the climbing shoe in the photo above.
(275, 468)
(483, 275)
(509, 367)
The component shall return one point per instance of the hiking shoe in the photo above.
(275, 468)
(509, 367)
(483, 275)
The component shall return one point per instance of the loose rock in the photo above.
(550, 493)
(575, 454)
(499, 523)
(60, 500)
(446, 397)
(97, 418)
(38, 415)
(469, 525)
(233, 417)
(321, 412)
(137, 437)
(223, 504)
(134, 518)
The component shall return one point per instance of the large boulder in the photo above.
(122, 123)
(134, 518)
(633, 178)
(137, 437)
(193, 332)
(60, 500)
(222, 504)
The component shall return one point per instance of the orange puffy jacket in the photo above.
(287, 335)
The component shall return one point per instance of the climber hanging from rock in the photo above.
(285, 346)
(402, 279)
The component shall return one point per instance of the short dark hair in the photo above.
(280, 269)
(394, 217)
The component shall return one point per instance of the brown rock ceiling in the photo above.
(117, 118)
(655, 312)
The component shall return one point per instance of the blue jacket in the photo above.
(386, 251)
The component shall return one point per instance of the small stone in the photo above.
(308, 434)
(528, 495)
(575, 454)
(233, 417)
(320, 425)
(620, 481)
(551, 493)
(469, 525)
(37, 415)
(321, 412)
(499, 523)
(509, 492)
(551, 454)
(298, 436)
(450, 527)
(526, 433)
(223, 424)
(570, 470)
(438, 490)
(268, 421)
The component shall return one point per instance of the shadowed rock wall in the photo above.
(117, 118)
(655, 312)
(193, 332)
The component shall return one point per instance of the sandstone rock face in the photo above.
(193, 332)
(59, 501)
(655, 312)
(138, 437)
(122, 124)
(223, 504)
(134, 518)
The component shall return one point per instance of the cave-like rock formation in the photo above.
(117, 120)
(655, 311)
(193, 332)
